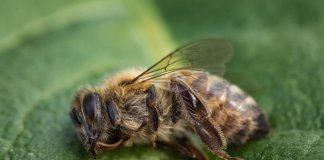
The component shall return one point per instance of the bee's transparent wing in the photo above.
(207, 54)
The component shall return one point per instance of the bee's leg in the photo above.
(153, 116)
(222, 154)
(175, 109)
(184, 146)
(207, 130)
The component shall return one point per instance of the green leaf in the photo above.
(49, 49)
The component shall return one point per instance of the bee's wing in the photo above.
(207, 54)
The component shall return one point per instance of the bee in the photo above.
(180, 94)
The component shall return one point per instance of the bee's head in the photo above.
(87, 115)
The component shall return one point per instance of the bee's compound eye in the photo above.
(75, 117)
(91, 102)
(113, 112)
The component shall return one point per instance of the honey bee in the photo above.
(180, 94)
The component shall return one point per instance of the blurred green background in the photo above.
(50, 48)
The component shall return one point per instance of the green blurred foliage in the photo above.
(50, 48)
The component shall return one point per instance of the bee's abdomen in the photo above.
(242, 118)
(232, 109)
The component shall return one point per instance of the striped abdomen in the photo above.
(232, 109)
